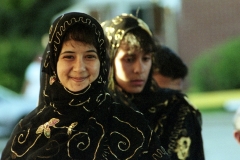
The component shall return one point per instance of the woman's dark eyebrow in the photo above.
(66, 52)
(91, 50)
(74, 52)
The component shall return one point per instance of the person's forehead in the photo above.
(132, 52)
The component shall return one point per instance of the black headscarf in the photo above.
(115, 30)
(80, 125)
(171, 116)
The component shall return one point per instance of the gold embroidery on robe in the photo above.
(183, 145)
(45, 127)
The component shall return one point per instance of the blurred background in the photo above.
(205, 34)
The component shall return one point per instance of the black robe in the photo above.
(176, 122)
(80, 125)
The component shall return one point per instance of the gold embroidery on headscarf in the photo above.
(40, 111)
(183, 145)
(55, 108)
(44, 128)
(46, 62)
(52, 80)
(77, 93)
(117, 20)
(153, 109)
(78, 103)
(160, 125)
(63, 27)
(109, 31)
(144, 26)
(119, 34)
(100, 101)
(52, 32)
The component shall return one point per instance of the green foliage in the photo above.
(23, 23)
(15, 58)
(28, 17)
(218, 68)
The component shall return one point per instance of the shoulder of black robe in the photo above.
(81, 125)
(170, 115)
(175, 120)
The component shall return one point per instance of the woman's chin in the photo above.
(77, 88)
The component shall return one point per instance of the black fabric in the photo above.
(176, 122)
(80, 125)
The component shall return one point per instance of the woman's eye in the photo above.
(147, 58)
(91, 57)
(68, 57)
(129, 59)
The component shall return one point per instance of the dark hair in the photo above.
(139, 38)
(136, 37)
(82, 33)
(169, 64)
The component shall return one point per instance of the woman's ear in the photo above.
(237, 136)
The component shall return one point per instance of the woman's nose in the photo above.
(138, 67)
(79, 65)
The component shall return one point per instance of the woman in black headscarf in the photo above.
(76, 117)
(176, 122)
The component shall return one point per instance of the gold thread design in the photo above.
(20, 155)
(183, 146)
(79, 103)
(76, 94)
(45, 127)
(70, 128)
(119, 147)
(177, 128)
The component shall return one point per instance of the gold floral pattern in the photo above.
(183, 145)
(45, 127)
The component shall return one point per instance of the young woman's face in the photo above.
(78, 65)
(132, 68)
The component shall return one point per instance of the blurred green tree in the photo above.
(217, 68)
(23, 23)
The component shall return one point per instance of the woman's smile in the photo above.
(79, 79)
(78, 65)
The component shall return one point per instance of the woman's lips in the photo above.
(137, 82)
(78, 79)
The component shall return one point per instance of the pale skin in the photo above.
(236, 135)
(167, 82)
(78, 65)
(132, 68)
(236, 132)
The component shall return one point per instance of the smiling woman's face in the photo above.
(78, 65)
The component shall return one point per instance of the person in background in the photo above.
(77, 117)
(236, 123)
(169, 71)
(174, 120)
(31, 86)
